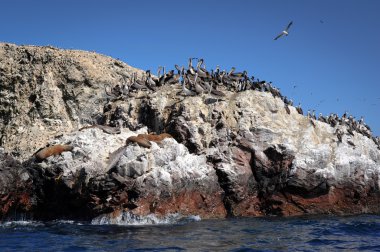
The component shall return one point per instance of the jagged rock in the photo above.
(243, 155)
(15, 185)
(46, 92)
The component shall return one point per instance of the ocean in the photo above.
(311, 233)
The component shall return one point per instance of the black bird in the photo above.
(287, 108)
(312, 123)
(299, 109)
(351, 143)
(349, 131)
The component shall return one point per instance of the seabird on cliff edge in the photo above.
(284, 32)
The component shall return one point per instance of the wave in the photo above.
(123, 219)
(128, 218)
(20, 223)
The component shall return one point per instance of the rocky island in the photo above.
(84, 136)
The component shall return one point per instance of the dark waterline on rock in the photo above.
(317, 233)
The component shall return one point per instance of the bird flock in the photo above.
(195, 81)
(198, 80)
(349, 123)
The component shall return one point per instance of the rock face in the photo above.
(239, 155)
(46, 92)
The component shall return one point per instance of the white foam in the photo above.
(127, 218)
(20, 223)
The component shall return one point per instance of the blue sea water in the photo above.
(316, 233)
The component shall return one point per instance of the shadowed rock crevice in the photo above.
(319, 190)
(15, 188)
(181, 131)
(58, 196)
(271, 169)
(152, 118)
(223, 180)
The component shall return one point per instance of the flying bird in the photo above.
(284, 32)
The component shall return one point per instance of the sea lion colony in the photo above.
(198, 80)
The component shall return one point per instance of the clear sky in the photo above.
(330, 61)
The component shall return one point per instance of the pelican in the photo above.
(161, 79)
(137, 84)
(202, 72)
(284, 32)
(149, 82)
(361, 121)
(177, 77)
(339, 134)
(239, 74)
(169, 77)
(159, 71)
(217, 92)
(185, 90)
(198, 88)
(191, 69)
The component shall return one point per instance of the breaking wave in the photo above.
(20, 223)
(127, 218)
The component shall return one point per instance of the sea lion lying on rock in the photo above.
(46, 152)
(155, 138)
(106, 129)
(144, 139)
(143, 142)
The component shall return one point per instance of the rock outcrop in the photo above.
(243, 154)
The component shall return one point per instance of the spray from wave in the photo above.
(127, 218)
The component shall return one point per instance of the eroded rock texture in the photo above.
(238, 155)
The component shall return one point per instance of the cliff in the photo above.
(246, 153)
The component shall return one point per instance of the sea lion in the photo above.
(52, 150)
(139, 140)
(106, 129)
(155, 138)
(144, 139)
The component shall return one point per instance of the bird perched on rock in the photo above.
(299, 109)
(339, 134)
(284, 32)
(287, 108)
(351, 143)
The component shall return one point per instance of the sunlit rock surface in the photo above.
(239, 155)
(46, 92)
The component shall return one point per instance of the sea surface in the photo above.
(317, 233)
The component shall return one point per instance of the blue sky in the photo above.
(330, 61)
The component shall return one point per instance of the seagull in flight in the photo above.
(284, 32)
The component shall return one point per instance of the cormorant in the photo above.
(287, 108)
(299, 109)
